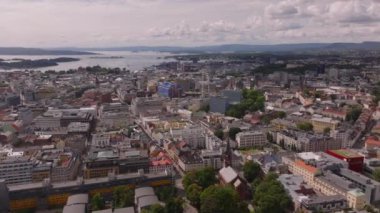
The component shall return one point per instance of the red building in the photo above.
(354, 160)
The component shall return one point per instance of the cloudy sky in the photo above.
(100, 23)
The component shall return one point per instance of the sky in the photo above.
(113, 23)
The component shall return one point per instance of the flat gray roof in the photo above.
(77, 199)
(125, 210)
(147, 201)
(143, 191)
(79, 208)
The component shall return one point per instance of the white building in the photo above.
(100, 140)
(193, 135)
(250, 139)
(16, 169)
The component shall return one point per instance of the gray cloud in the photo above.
(185, 22)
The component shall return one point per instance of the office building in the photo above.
(251, 139)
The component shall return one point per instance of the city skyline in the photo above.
(100, 23)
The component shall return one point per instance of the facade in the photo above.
(100, 140)
(305, 142)
(16, 170)
(192, 135)
(190, 162)
(101, 163)
(322, 123)
(331, 203)
(212, 158)
(251, 139)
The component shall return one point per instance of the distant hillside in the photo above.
(248, 48)
(37, 51)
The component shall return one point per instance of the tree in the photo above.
(305, 126)
(203, 178)
(174, 205)
(219, 133)
(251, 170)
(354, 113)
(327, 130)
(97, 202)
(233, 132)
(376, 174)
(156, 208)
(219, 199)
(270, 137)
(253, 100)
(123, 196)
(270, 196)
(165, 193)
(193, 193)
(376, 93)
(281, 114)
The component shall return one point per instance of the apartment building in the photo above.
(251, 139)
(322, 123)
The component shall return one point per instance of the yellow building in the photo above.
(356, 199)
(308, 172)
(321, 123)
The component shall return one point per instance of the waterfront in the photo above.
(110, 59)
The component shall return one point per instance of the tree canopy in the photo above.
(203, 178)
(252, 170)
(305, 126)
(193, 193)
(219, 199)
(253, 101)
(376, 93)
(97, 202)
(233, 132)
(156, 208)
(270, 196)
(174, 205)
(219, 133)
(123, 196)
(376, 174)
(354, 113)
(165, 193)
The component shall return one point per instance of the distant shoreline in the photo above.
(18, 63)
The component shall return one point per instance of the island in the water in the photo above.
(30, 64)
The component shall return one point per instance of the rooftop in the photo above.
(306, 167)
(346, 153)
